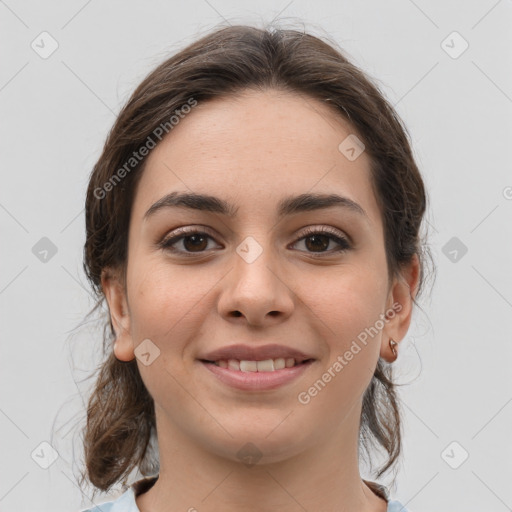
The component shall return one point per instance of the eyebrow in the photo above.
(287, 206)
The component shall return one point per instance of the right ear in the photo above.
(115, 293)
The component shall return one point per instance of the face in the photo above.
(307, 278)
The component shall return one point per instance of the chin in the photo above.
(259, 446)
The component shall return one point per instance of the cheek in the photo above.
(166, 302)
(346, 308)
(346, 301)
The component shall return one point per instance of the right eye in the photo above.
(193, 241)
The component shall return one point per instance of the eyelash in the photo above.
(167, 243)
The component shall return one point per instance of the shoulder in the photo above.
(125, 503)
(396, 506)
(383, 492)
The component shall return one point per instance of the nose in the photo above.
(256, 291)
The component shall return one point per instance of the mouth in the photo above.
(267, 365)
(268, 374)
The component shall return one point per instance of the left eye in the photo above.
(320, 239)
(195, 241)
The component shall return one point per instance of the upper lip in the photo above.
(252, 353)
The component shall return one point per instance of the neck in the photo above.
(324, 476)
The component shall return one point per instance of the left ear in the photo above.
(399, 307)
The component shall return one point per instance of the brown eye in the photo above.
(192, 242)
(318, 241)
(195, 242)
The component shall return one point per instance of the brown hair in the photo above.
(120, 425)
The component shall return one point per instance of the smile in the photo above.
(268, 365)
(256, 375)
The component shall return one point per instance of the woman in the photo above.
(253, 224)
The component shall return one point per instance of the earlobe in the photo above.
(119, 314)
(399, 309)
(123, 350)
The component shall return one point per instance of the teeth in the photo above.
(233, 364)
(254, 366)
(269, 365)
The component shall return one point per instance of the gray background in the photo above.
(56, 112)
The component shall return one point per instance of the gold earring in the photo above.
(392, 345)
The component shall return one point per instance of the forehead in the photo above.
(254, 148)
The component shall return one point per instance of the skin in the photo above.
(252, 150)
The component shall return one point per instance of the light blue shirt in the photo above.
(126, 502)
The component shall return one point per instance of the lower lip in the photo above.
(256, 381)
